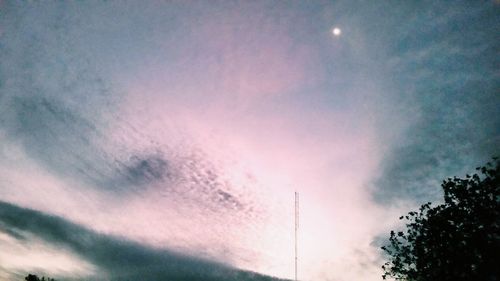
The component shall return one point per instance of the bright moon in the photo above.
(336, 31)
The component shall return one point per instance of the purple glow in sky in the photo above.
(185, 127)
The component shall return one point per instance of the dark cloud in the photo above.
(53, 102)
(118, 258)
(443, 61)
(57, 136)
(12, 232)
(70, 145)
(147, 169)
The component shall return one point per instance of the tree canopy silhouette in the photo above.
(457, 240)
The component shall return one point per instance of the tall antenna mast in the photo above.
(296, 229)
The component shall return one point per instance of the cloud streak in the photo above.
(117, 258)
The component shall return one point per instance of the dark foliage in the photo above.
(457, 240)
(32, 277)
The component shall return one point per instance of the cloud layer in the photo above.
(116, 258)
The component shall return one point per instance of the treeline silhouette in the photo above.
(32, 277)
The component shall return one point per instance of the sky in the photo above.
(164, 140)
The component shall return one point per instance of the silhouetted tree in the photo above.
(31, 277)
(457, 240)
